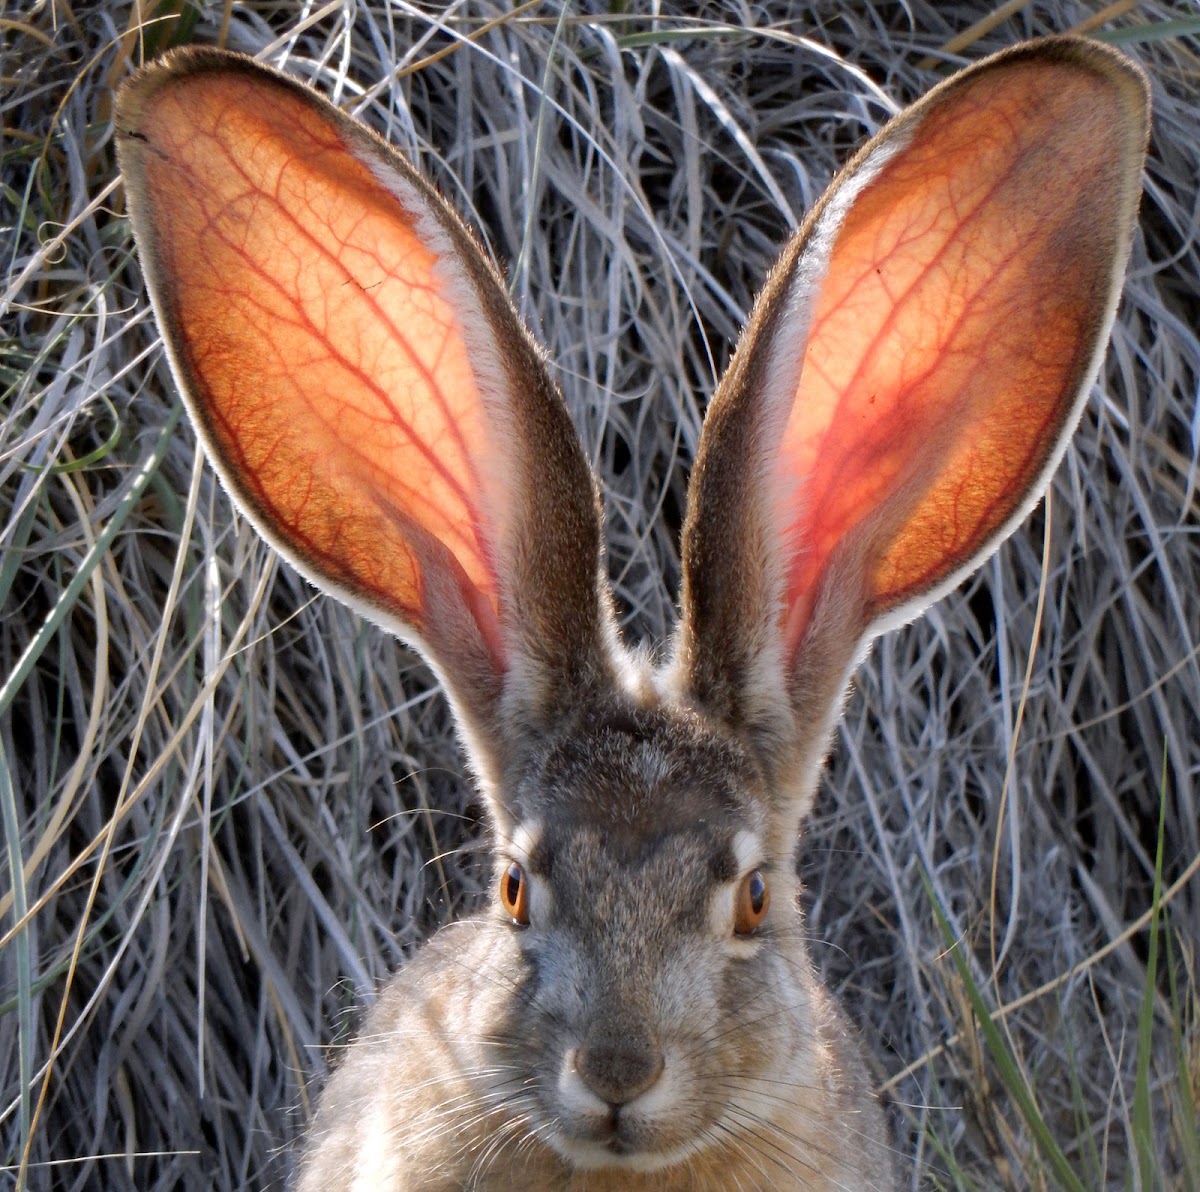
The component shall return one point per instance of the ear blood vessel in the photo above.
(906, 383)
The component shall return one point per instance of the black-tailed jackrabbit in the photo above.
(637, 1009)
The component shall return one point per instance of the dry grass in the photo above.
(236, 807)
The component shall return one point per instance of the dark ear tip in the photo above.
(137, 91)
(1101, 60)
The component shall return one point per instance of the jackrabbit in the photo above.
(638, 1008)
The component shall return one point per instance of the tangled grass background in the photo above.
(229, 807)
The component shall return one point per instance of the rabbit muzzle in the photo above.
(617, 1106)
(617, 1066)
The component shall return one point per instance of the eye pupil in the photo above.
(758, 892)
(514, 894)
(753, 898)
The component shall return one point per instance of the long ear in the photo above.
(362, 383)
(909, 378)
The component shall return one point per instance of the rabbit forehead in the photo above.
(637, 773)
(642, 891)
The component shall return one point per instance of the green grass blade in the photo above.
(1001, 1055)
(1143, 1123)
(24, 965)
(1154, 31)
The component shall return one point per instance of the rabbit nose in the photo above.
(618, 1068)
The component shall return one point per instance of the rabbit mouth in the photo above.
(620, 1151)
(622, 1139)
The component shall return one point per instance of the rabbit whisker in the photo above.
(754, 1127)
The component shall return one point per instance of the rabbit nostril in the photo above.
(617, 1070)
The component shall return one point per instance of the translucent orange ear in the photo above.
(967, 294)
(916, 362)
(355, 368)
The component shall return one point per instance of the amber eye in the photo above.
(753, 898)
(514, 894)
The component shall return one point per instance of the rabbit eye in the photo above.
(753, 898)
(514, 894)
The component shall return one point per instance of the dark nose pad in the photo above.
(618, 1068)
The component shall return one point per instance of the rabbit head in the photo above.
(639, 999)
